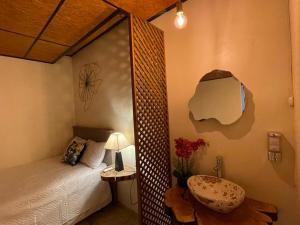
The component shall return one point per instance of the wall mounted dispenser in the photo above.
(274, 146)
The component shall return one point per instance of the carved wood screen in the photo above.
(151, 120)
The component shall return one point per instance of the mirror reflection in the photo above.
(219, 95)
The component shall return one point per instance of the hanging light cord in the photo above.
(179, 6)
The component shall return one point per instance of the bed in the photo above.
(51, 192)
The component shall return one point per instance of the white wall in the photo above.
(112, 105)
(250, 38)
(36, 108)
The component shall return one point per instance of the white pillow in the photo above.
(94, 154)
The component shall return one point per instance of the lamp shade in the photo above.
(116, 141)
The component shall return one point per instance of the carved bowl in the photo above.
(216, 193)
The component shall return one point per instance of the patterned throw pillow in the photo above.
(74, 152)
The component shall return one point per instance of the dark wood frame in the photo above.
(135, 21)
(153, 17)
(133, 86)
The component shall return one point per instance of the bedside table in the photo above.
(113, 177)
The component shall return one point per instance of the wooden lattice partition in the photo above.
(151, 120)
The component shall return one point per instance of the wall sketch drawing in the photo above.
(89, 82)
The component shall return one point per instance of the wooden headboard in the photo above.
(95, 134)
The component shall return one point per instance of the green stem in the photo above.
(182, 166)
(187, 166)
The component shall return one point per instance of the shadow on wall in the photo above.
(59, 98)
(236, 130)
(286, 168)
(118, 92)
(112, 104)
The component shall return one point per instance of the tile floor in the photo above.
(112, 215)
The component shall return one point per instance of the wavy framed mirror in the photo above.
(219, 95)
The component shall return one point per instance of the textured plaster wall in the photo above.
(250, 38)
(36, 109)
(112, 104)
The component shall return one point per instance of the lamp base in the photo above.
(119, 162)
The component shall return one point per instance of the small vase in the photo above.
(182, 182)
(182, 177)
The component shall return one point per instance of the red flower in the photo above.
(185, 148)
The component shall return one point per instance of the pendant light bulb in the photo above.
(180, 19)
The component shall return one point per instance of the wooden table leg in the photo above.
(114, 192)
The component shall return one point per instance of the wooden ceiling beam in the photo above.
(99, 33)
(102, 23)
(158, 14)
(77, 17)
(13, 32)
(146, 9)
(46, 51)
(45, 27)
(25, 35)
(58, 15)
(13, 44)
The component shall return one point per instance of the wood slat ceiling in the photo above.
(46, 51)
(12, 44)
(46, 30)
(77, 19)
(98, 32)
(25, 17)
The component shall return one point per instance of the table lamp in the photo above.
(116, 142)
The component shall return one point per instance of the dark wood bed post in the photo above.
(151, 121)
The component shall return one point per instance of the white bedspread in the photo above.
(50, 192)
